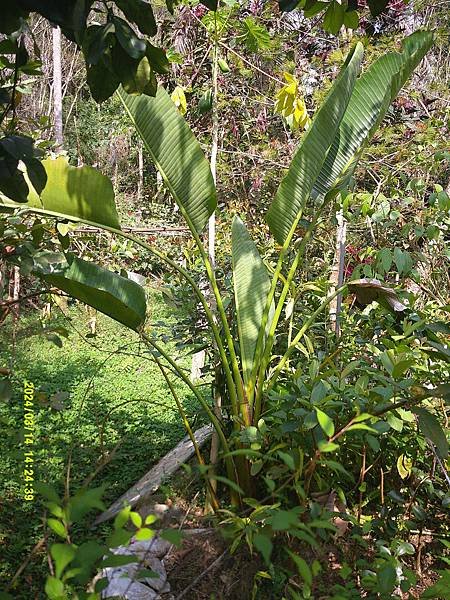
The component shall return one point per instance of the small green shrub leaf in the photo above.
(54, 588)
(283, 520)
(441, 589)
(136, 519)
(386, 578)
(149, 519)
(405, 548)
(118, 560)
(122, 517)
(325, 422)
(84, 501)
(287, 459)
(144, 534)
(120, 537)
(57, 527)
(431, 428)
(264, 545)
(302, 567)
(174, 536)
(62, 554)
(327, 446)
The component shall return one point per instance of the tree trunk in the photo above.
(57, 89)
(337, 271)
(2, 278)
(140, 190)
(14, 290)
(215, 444)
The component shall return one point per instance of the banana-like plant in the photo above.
(322, 166)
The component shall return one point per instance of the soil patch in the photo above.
(203, 564)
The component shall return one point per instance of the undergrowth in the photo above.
(97, 398)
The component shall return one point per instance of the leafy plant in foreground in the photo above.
(322, 166)
(76, 565)
(253, 381)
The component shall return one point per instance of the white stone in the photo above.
(121, 579)
(160, 584)
(156, 547)
(128, 589)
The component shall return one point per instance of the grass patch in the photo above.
(111, 394)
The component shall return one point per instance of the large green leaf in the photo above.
(176, 153)
(251, 287)
(108, 292)
(296, 186)
(141, 13)
(373, 93)
(431, 428)
(80, 192)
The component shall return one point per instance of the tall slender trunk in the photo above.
(215, 443)
(14, 290)
(198, 360)
(337, 271)
(213, 159)
(57, 89)
(2, 278)
(140, 190)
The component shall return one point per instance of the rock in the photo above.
(124, 587)
(159, 510)
(154, 547)
(121, 580)
(159, 584)
(158, 548)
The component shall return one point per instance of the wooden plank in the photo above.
(151, 481)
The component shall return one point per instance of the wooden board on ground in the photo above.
(151, 481)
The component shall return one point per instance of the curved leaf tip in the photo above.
(106, 291)
(176, 153)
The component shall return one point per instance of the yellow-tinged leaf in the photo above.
(79, 192)
(290, 104)
(136, 519)
(404, 466)
(179, 99)
(263, 575)
(144, 534)
(150, 519)
(290, 78)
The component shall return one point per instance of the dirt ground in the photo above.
(202, 569)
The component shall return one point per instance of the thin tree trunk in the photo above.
(160, 188)
(14, 293)
(2, 278)
(337, 271)
(198, 360)
(57, 89)
(213, 162)
(116, 177)
(212, 251)
(140, 190)
(197, 364)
